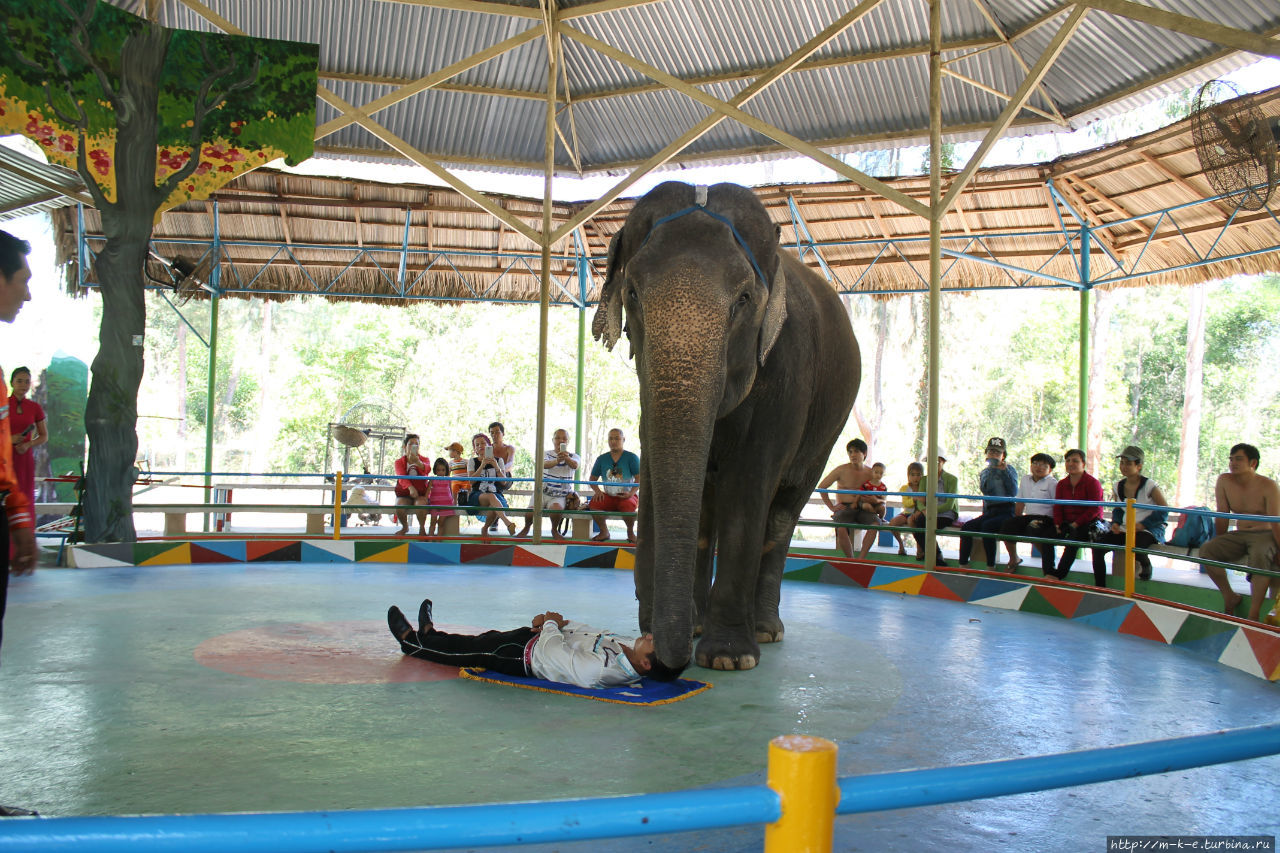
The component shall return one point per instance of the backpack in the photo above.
(1193, 530)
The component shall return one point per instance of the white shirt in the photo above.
(581, 655)
(556, 480)
(1029, 490)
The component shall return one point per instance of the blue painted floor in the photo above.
(276, 687)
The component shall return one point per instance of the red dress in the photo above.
(23, 416)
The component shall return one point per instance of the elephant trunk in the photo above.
(680, 392)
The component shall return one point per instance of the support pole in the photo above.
(1082, 416)
(935, 280)
(802, 772)
(210, 399)
(553, 45)
(1130, 540)
(584, 270)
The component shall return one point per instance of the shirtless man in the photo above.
(847, 509)
(1256, 544)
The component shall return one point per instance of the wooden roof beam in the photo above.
(1110, 202)
(1029, 83)
(432, 80)
(1004, 38)
(428, 163)
(1196, 193)
(1231, 37)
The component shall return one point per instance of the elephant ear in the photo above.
(775, 313)
(608, 320)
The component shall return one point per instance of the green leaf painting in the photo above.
(226, 104)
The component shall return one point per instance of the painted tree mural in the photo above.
(149, 117)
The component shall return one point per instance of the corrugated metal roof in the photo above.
(30, 186)
(842, 98)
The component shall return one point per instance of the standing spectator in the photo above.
(1031, 518)
(998, 479)
(948, 510)
(844, 508)
(1076, 523)
(14, 276)
(1150, 522)
(1256, 544)
(502, 450)
(457, 469)
(411, 492)
(559, 465)
(915, 473)
(439, 494)
(621, 468)
(28, 430)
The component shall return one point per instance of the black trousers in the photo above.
(1084, 534)
(1143, 539)
(985, 523)
(946, 518)
(501, 651)
(1039, 526)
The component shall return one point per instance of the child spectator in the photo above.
(457, 469)
(1150, 522)
(1076, 523)
(915, 473)
(871, 503)
(1031, 518)
(439, 494)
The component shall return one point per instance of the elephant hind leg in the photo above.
(779, 527)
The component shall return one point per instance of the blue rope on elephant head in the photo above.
(699, 207)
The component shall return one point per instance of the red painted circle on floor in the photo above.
(318, 653)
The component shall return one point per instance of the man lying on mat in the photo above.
(551, 648)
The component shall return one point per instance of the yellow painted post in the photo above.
(1130, 537)
(337, 504)
(802, 771)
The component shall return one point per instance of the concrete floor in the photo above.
(276, 687)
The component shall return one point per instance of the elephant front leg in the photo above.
(781, 526)
(729, 632)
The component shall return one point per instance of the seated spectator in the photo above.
(559, 465)
(1255, 544)
(621, 467)
(915, 472)
(1150, 522)
(948, 509)
(1076, 523)
(1031, 518)
(872, 503)
(411, 492)
(844, 508)
(998, 478)
(485, 497)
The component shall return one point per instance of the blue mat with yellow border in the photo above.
(644, 692)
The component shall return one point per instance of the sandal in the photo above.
(511, 528)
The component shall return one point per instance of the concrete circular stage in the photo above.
(274, 686)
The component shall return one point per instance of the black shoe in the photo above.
(14, 811)
(400, 627)
(425, 624)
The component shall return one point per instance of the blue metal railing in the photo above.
(617, 817)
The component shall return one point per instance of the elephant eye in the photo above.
(742, 300)
(632, 296)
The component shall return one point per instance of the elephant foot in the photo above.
(727, 653)
(769, 629)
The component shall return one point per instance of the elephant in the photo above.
(748, 369)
